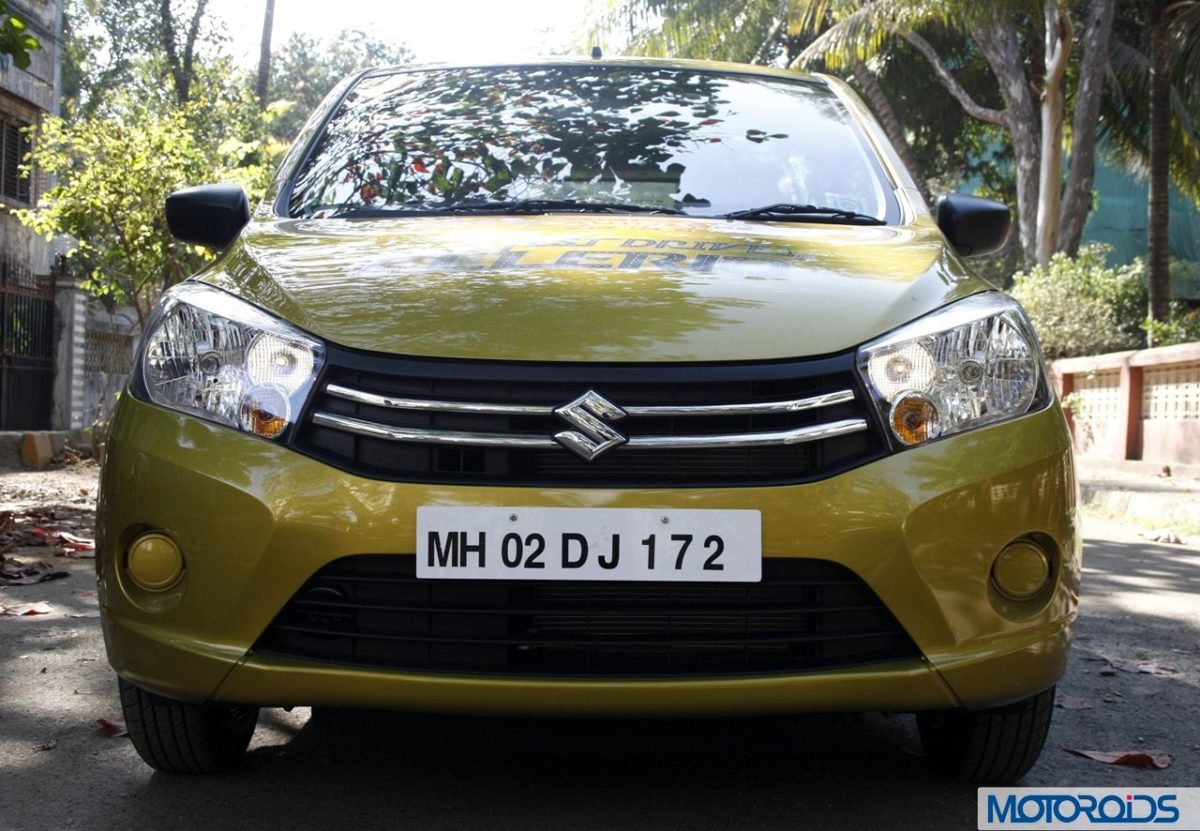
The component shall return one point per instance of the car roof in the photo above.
(657, 63)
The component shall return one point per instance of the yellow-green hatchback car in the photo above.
(594, 389)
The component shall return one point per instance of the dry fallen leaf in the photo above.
(112, 729)
(67, 540)
(14, 573)
(89, 554)
(1073, 702)
(1135, 667)
(1165, 535)
(23, 609)
(1156, 759)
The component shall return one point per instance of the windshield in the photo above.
(678, 140)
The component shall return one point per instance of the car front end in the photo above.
(559, 459)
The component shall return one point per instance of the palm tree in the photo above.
(263, 86)
(1153, 117)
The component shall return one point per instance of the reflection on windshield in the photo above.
(673, 139)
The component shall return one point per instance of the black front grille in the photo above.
(372, 611)
(556, 385)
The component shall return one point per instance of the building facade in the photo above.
(30, 327)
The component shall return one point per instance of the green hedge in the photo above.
(1084, 307)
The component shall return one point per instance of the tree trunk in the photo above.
(166, 23)
(1089, 90)
(264, 56)
(1058, 50)
(189, 47)
(1158, 216)
(1001, 49)
(181, 66)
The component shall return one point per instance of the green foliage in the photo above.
(1185, 279)
(15, 38)
(126, 142)
(112, 177)
(722, 30)
(1126, 112)
(1183, 326)
(304, 70)
(115, 48)
(1083, 307)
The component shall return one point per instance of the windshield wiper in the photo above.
(516, 206)
(541, 206)
(784, 212)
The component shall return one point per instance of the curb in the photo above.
(1159, 508)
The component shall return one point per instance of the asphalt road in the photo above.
(58, 770)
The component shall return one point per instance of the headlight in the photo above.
(971, 363)
(211, 355)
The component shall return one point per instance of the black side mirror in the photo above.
(973, 225)
(209, 215)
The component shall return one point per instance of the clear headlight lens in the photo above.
(214, 356)
(971, 363)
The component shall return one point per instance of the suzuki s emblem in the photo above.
(589, 414)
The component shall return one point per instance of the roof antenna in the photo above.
(597, 54)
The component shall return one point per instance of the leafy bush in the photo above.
(1083, 307)
(1185, 279)
(1183, 326)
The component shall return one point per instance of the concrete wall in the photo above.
(1143, 404)
(110, 342)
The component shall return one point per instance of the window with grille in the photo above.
(15, 138)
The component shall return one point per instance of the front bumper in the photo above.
(256, 520)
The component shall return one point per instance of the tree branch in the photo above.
(1059, 35)
(761, 55)
(951, 84)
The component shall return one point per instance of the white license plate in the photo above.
(589, 544)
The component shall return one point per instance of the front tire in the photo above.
(987, 747)
(181, 737)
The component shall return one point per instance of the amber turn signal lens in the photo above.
(914, 418)
(264, 411)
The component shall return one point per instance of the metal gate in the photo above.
(26, 347)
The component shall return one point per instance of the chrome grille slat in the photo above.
(423, 435)
(430, 405)
(794, 405)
